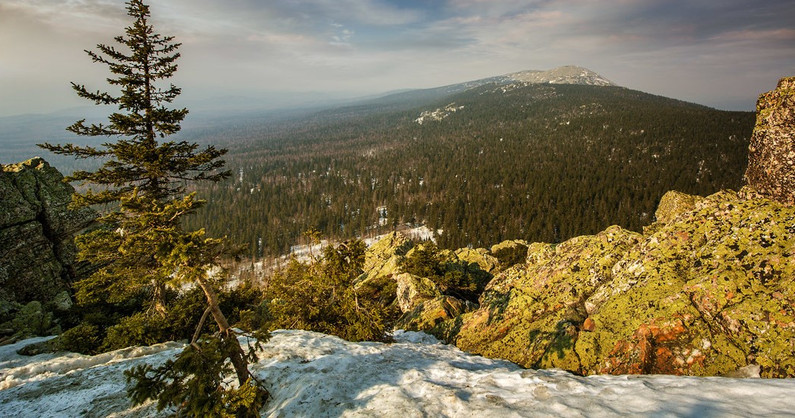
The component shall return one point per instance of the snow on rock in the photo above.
(438, 114)
(316, 375)
(420, 233)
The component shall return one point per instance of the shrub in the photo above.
(454, 277)
(194, 385)
(510, 256)
(321, 297)
(85, 338)
(138, 329)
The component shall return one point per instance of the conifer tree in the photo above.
(141, 246)
(137, 163)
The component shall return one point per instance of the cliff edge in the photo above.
(37, 229)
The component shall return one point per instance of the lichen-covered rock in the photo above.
(32, 320)
(412, 290)
(771, 153)
(37, 229)
(707, 292)
(62, 301)
(511, 243)
(383, 257)
(440, 316)
(673, 204)
(479, 256)
(530, 313)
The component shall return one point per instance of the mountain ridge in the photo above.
(567, 74)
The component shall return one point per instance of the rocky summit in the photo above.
(771, 156)
(706, 290)
(37, 229)
(706, 293)
(568, 74)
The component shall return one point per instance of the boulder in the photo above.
(705, 291)
(383, 257)
(440, 316)
(529, 312)
(37, 229)
(771, 153)
(412, 290)
(673, 204)
(479, 256)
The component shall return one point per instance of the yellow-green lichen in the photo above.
(701, 294)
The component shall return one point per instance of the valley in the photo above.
(505, 160)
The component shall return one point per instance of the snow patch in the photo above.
(438, 114)
(312, 374)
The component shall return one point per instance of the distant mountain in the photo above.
(19, 134)
(562, 75)
(568, 74)
(500, 160)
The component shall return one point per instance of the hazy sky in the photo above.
(721, 53)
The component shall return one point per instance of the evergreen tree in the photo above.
(140, 246)
(158, 169)
(137, 163)
(322, 296)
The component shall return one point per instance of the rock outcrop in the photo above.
(382, 258)
(771, 153)
(707, 290)
(413, 290)
(37, 229)
(539, 307)
(421, 303)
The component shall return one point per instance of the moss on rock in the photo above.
(440, 316)
(530, 313)
(705, 291)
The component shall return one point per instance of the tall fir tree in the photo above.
(137, 163)
(141, 246)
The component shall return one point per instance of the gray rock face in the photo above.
(771, 154)
(37, 230)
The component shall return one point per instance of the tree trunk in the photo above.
(236, 355)
(159, 298)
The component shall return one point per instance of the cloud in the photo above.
(671, 47)
(65, 15)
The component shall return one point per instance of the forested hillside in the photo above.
(540, 162)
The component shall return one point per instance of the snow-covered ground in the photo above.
(316, 375)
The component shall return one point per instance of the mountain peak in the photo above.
(568, 74)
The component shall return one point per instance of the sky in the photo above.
(720, 53)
